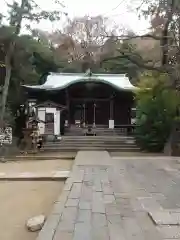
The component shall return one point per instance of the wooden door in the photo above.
(49, 123)
(89, 113)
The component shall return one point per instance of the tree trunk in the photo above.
(165, 33)
(8, 62)
(7, 80)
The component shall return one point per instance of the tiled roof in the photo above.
(58, 81)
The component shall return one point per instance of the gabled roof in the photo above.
(58, 81)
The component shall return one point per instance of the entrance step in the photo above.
(75, 149)
(99, 137)
(100, 131)
(108, 143)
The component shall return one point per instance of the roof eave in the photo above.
(83, 80)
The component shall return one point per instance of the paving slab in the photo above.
(100, 233)
(82, 231)
(98, 203)
(99, 220)
(93, 158)
(75, 191)
(85, 205)
(72, 202)
(117, 198)
(69, 214)
(84, 216)
(116, 232)
(169, 232)
(165, 217)
(65, 235)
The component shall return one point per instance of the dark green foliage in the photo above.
(43, 64)
(32, 59)
(157, 107)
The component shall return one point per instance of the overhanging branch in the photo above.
(142, 64)
(127, 37)
(135, 59)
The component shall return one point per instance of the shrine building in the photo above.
(82, 100)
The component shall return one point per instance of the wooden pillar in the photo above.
(68, 107)
(111, 117)
(94, 115)
(84, 114)
(111, 109)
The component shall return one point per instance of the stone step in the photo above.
(76, 138)
(92, 149)
(110, 143)
(123, 136)
(102, 132)
(92, 140)
(97, 132)
(89, 144)
(75, 148)
(96, 139)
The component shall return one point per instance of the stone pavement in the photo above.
(117, 199)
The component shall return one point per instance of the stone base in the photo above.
(111, 124)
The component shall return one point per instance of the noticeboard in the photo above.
(6, 135)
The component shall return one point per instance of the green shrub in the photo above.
(157, 105)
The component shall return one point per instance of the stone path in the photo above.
(117, 199)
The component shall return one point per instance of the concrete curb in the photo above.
(39, 176)
(49, 228)
(37, 158)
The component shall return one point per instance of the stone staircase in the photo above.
(100, 131)
(112, 143)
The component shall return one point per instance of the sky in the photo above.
(118, 11)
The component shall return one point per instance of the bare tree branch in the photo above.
(141, 63)
(148, 35)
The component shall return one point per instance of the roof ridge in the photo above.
(61, 73)
(93, 74)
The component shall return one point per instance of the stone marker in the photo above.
(35, 223)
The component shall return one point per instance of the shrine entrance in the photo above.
(90, 117)
(90, 103)
(89, 112)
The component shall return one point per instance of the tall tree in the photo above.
(82, 39)
(26, 9)
(165, 22)
(30, 60)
